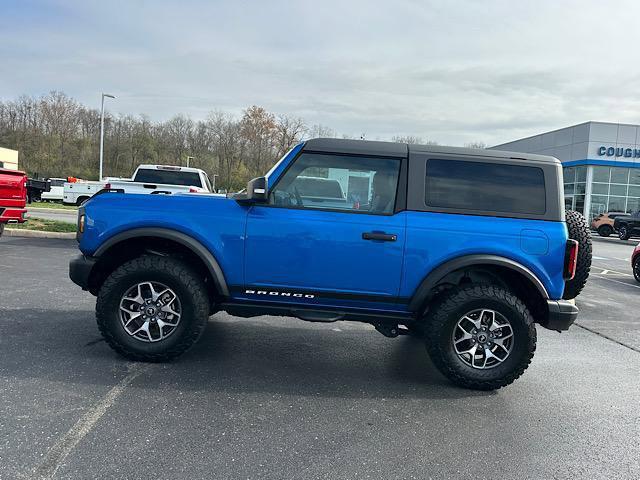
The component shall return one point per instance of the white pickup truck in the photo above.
(146, 179)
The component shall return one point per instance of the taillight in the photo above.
(570, 259)
(107, 186)
(193, 190)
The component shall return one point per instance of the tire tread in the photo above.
(180, 271)
(440, 315)
(579, 231)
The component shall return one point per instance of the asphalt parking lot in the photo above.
(280, 398)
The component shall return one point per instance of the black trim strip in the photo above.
(322, 295)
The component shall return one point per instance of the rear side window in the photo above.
(488, 187)
(168, 177)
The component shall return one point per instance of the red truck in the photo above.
(13, 197)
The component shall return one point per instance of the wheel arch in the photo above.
(150, 237)
(514, 270)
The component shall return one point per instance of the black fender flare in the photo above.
(422, 292)
(189, 242)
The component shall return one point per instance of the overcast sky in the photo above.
(450, 71)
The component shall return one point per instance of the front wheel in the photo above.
(1, 228)
(152, 308)
(636, 269)
(480, 337)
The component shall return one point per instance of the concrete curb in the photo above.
(52, 210)
(613, 239)
(16, 232)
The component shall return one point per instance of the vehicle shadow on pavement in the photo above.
(234, 355)
(314, 360)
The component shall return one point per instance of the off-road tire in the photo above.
(441, 321)
(605, 230)
(579, 231)
(178, 276)
(623, 233)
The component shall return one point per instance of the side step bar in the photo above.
(246, 310)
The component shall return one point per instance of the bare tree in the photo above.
(476, 145)
(412, 140)
(288, 132)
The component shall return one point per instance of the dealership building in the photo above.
(601, 164)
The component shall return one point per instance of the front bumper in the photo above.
(562, 314)
(80, 270)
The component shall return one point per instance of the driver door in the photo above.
(329, 233)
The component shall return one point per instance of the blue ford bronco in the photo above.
(467, 249)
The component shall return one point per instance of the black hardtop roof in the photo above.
(394, 149)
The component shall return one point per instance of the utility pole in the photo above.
(102, 131)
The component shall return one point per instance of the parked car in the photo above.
(36, 188)
(56, 191)
(627, 226)
(147, 179)
(164, 179)
(13, 197)
(76, 191)
(635, 262)
(603, 223)
(467, 249)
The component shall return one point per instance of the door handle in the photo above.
(381, 236)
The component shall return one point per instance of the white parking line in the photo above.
(618, 281)
(609, 271)
(63, 447)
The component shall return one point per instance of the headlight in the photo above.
(81, 220)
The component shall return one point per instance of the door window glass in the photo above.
(339, 182)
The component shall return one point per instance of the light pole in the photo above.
(102, 131)
(189, 158)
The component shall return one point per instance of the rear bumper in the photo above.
(562, 314)
(13, 215)
(80, 270)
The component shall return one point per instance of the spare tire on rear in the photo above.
(579, 231)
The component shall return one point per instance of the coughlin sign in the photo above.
(604, 151)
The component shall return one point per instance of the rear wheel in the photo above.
(480, 337)
(636, 268)
(152, 308)
(605, 230)
(578, 231)
(1, 228)
(623, 233)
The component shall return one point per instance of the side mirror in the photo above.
(256, 191)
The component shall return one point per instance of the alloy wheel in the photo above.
(483, 339)
(150, 311)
